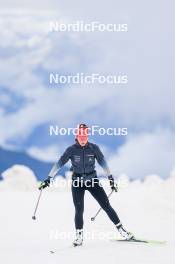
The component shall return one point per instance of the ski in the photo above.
(52, 251)
(75, 245)
(138, 240)
(62, 249)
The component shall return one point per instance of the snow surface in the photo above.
(145, 208)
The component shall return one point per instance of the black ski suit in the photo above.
(83, 167)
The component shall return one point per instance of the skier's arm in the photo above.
(102, 161)
(61, 162)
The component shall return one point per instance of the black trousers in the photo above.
(99, 194)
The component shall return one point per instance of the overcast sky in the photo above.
(28, 104)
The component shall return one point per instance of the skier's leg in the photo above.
(78, 199)
(99, 194)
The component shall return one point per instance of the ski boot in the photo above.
(79, 238)
(124, 234)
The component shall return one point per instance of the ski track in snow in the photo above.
(146, 209)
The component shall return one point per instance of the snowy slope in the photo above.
(147, 209)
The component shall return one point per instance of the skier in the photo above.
(83, 155)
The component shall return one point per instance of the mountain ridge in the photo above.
(41, 169)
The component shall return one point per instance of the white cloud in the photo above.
(48, 154)
(145, 154)
(18, 177)
(26, 46)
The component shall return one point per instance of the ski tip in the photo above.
(138, 240)
(158, 242)
(76, 245)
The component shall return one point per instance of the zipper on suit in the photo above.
(83, 161)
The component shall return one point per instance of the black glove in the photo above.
(45, 183)
(113, 185)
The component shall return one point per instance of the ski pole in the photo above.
(34, 215)
(94, 217)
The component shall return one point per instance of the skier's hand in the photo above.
(45, 183)
(113, 185)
